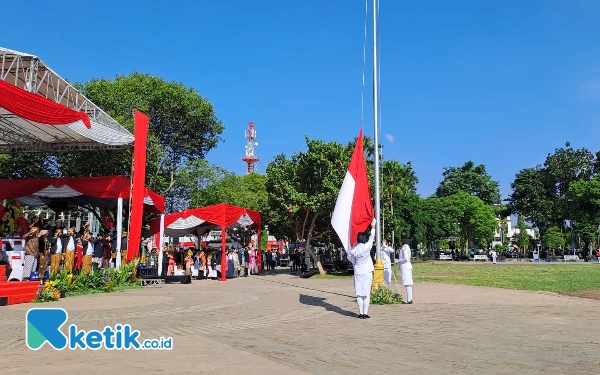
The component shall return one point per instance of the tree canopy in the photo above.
(472, 179)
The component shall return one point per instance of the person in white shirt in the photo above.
(406, 269)
(386, 254)
(494, 256)
(360, 257)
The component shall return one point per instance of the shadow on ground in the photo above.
(319, 301)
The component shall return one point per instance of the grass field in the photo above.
(559, 278)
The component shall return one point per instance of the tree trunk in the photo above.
(309, 248)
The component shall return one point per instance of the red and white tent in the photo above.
(40, 111)
(61, 194)
(198, 221)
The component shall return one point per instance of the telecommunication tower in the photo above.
(249, 157)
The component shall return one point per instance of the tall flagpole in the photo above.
(378, 275)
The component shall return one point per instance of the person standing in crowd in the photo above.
(273, 260)
(386, 253)
(32, 244)
(44, 253)
(252, 255)
(406, 269)
(360, 257)
(98, 251)
(56, 250)
(236, 263)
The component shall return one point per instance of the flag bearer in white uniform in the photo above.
(360, 257)
(386, 257)
(406, 268)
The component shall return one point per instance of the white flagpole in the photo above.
(376, 133)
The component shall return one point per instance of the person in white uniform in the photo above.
(360, 257)
(494, 256)
(386, 257)
(406, 269)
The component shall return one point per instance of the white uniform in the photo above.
(406, 270)
(360, 257)
(493, 256)
(386, 253)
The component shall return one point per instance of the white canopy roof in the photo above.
(30, 73)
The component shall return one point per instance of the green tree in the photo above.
(27, 165)
(399, 200)
(472, 179)
(183, 127)
(586, 209)
(193, 179)
(303, 190)
(248, 191)
(474, 220)
(542, 194)
(554, 238)
(431, 222)
(523, 238)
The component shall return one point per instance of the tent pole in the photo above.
(161, 236)
(119, 231)
(223, 254)
(260, 260)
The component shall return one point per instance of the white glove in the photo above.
(373, 222)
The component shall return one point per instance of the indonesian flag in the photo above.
(353, 211)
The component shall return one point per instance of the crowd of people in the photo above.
(207, 261)
(50, 248)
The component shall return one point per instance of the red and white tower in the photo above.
(249, 157)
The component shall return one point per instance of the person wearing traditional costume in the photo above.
(236, 263)
(88, 245)
(213, 267)
(252, 255)
(386, 257)
(56, 249)
(360, 257)
(7, 225)
(44, 254)
(22, 225)
(98, 251)
(32, 244)
(124, 248)
(171, 264)
(406, 269)
(189, 262)
(70, 250)
(106, 252)
(79, 248)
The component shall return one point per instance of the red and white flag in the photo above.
(353, 211)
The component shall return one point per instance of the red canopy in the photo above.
(198, 221)
(63, 193)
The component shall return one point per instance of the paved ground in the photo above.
(285, 325)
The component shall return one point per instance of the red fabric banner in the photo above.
(139, 183)
(109, 187)
(219, 214)
(36, 108)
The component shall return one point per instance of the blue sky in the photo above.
(500, 83)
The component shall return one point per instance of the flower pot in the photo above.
(63, 294)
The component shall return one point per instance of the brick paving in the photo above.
(282, 324)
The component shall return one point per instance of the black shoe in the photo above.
(366, 316)
(407, 302)
(361, 316)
